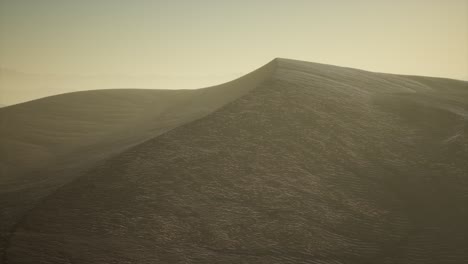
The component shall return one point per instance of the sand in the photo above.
(297, 162)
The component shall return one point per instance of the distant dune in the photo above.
(296, 162)
(17, 87)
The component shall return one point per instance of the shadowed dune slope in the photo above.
(48, 142)
(317, 164)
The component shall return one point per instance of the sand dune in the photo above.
(295, 163)
(48, 142)
(17, 87)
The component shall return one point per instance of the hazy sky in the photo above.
(214, 37)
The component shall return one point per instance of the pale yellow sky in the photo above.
(223, 38)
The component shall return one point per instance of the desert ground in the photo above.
(296, 162)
